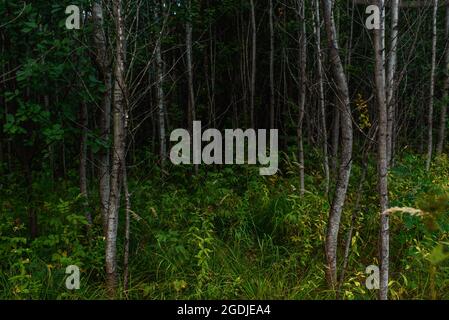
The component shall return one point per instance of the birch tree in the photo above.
(302, 61)
(103, 60)
(382, 161)
(391, 78)
(118, 155)
(347, 141)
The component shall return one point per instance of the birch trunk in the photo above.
(302, 60)
(127, 231)
(391, 78)
(103, 61)
(118, 157)
(347, 141)
(382, 161)
(335, 140)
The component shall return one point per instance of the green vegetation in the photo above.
(227, 234)
(86, 117)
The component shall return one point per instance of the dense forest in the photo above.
(91, 93)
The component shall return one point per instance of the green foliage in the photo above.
(231, 234)
(226, 232)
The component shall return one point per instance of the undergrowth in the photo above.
(228, 233)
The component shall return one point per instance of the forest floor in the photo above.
(227, 233)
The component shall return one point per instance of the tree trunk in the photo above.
(190, 70)
(346, 152)
(317, 23)
(302, 60)
(432, 87)
(209, 66)
(192, 108)
(118, 157)
(382, 161)
(127, 231)
(103, 61)
(391, 78)
(335, 140)
(443, 115)
(355, 212)
(243, 66)
(160, 87)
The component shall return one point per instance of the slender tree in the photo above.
(160, 96)
(347, 140)
(103, 60)
(432, 86)
(191, 103)
(302, 61)
(127, 230)
(391, 78)
(322, 102)
(382, 161)
(118, 155)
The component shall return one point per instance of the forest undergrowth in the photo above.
(229, 233)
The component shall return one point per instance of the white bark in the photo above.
(302, 61)
(391, 77)
(347, 141)
(382, 163)
(103, 61)
(127, 230)
(118, 158)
